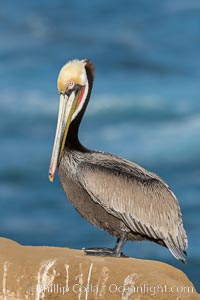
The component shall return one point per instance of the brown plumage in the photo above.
(112, 193)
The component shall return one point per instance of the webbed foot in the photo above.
(103, 252)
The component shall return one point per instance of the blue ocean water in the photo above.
(144, 107)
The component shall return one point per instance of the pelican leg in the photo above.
(120, 243)
(116, 252)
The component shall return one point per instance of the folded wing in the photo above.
(139, 198)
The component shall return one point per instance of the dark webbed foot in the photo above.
(102, 252)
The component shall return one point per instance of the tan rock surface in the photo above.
(59, 273)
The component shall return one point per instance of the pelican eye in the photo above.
(71, 85)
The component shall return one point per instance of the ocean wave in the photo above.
(141, 103)
(144, 106)
(177, 6)
(31, 102)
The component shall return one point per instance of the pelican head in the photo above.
(73, 88)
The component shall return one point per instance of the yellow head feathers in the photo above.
(72, 72)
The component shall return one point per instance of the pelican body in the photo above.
(110, 192)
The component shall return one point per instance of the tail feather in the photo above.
(177, 253)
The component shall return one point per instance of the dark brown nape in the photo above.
(90, 67)
(72, 140)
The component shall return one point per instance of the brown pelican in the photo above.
(110, 192)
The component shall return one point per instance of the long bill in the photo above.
(67, 107)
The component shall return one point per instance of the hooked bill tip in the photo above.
(51, 177)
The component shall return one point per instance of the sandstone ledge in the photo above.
(59, 273)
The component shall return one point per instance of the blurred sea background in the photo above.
(145, 106)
